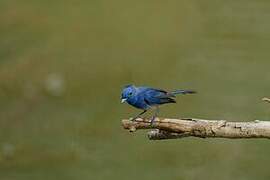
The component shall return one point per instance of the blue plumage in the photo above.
(145, 97)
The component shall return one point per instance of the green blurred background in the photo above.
(63, 64)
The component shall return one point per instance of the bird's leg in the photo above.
(155, 115)
(133, 119)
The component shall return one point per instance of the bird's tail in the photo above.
(183, 92)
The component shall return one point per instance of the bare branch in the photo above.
(266, 99)
(158, 134)
(178, 128)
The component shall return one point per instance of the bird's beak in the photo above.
(123, 100)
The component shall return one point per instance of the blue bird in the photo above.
(146, 98)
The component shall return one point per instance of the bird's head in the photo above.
(127, 93)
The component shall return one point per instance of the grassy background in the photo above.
(63, 64)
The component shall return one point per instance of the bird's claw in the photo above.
(152, 120)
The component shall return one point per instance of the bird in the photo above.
(146, 98)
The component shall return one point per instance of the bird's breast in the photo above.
(138, 103)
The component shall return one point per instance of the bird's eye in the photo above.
(130, 94)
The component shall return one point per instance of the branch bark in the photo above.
(266, 99)
(165, 128)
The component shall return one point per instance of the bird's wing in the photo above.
(162, 93)
(157, 96)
